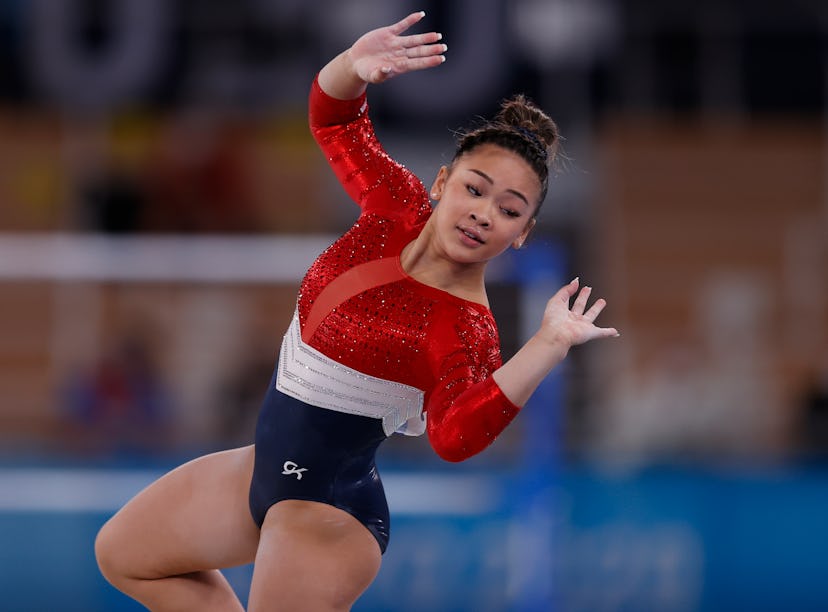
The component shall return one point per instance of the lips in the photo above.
(471, 234)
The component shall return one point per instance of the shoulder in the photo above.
(467, 335)
(397, 195)
(477, 325)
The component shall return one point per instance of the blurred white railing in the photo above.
(154, 258)
(106, 490)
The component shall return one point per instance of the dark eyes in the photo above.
(477, 193)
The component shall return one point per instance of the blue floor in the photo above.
(659, 539)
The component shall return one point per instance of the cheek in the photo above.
(449, 208)
(516, 233)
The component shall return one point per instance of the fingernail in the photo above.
(617, 335)
(575, 280)
(439, 36)
(422, 13)
(442, 58)
(445, 48)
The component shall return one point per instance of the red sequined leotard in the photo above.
(359, 307)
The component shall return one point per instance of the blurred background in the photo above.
(161, 197)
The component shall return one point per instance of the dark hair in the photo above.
(522, 127)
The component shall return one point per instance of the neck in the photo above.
(424, 263)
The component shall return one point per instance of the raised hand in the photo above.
(383, 53)
(575, 324)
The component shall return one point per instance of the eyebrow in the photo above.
(514, 192)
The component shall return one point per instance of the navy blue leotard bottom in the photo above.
(308, 453)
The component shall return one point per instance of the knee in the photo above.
(110, 563)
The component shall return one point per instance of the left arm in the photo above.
(465, 408)
(470, 406)
(562, 328)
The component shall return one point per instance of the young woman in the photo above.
(392, 333)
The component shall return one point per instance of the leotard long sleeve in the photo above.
(358, 306)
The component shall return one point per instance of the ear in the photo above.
(523, 235)
(439, 183)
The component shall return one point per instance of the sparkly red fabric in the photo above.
(400, 330)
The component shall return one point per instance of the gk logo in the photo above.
(290, 468)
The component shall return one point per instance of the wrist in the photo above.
(520, 376)
(340, 79)
(552, 344)
(348, 67)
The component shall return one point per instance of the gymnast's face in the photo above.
(487, 201)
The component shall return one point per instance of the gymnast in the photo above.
(392, 333)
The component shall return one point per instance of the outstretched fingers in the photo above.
(421, 63)
(417, 45)
(579, 306)
(425, 50)
(595, 309)
(406, 22)
(566, 292)
(592, 313)
(396, 54)
(605, 332)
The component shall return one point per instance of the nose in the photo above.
(480, 219)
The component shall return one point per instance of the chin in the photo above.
(471, 259)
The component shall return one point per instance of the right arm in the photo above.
(339, 120)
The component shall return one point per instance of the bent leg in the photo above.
(163, 547)
(312, 556)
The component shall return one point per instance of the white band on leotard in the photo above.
(307, 375)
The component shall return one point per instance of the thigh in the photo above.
(308, 453)
(312, 556)
(196, 517)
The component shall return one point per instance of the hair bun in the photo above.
(520, 112)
